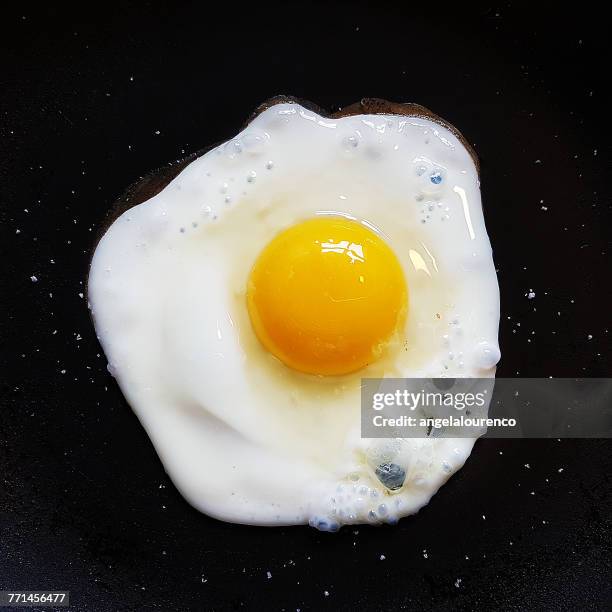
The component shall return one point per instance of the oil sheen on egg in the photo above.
(248, 429)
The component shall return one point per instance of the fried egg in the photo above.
(240, 307)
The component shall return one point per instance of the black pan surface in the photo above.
(94, 98)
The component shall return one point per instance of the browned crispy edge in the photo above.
(151, 184)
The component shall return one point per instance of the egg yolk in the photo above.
(325, 295)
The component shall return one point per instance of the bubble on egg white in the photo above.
(391, 475)
(278, 119)
(436, 177)
(383, 451)
(350, 142)
(486, 355)
(323, 524)
(232, 149)
(254, 141)
(433, 182)
(356, 504)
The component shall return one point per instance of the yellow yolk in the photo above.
(325, 295)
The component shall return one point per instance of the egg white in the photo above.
(244, 438)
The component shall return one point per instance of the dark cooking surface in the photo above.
(92, 101)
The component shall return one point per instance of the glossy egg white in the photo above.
(244, 438)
